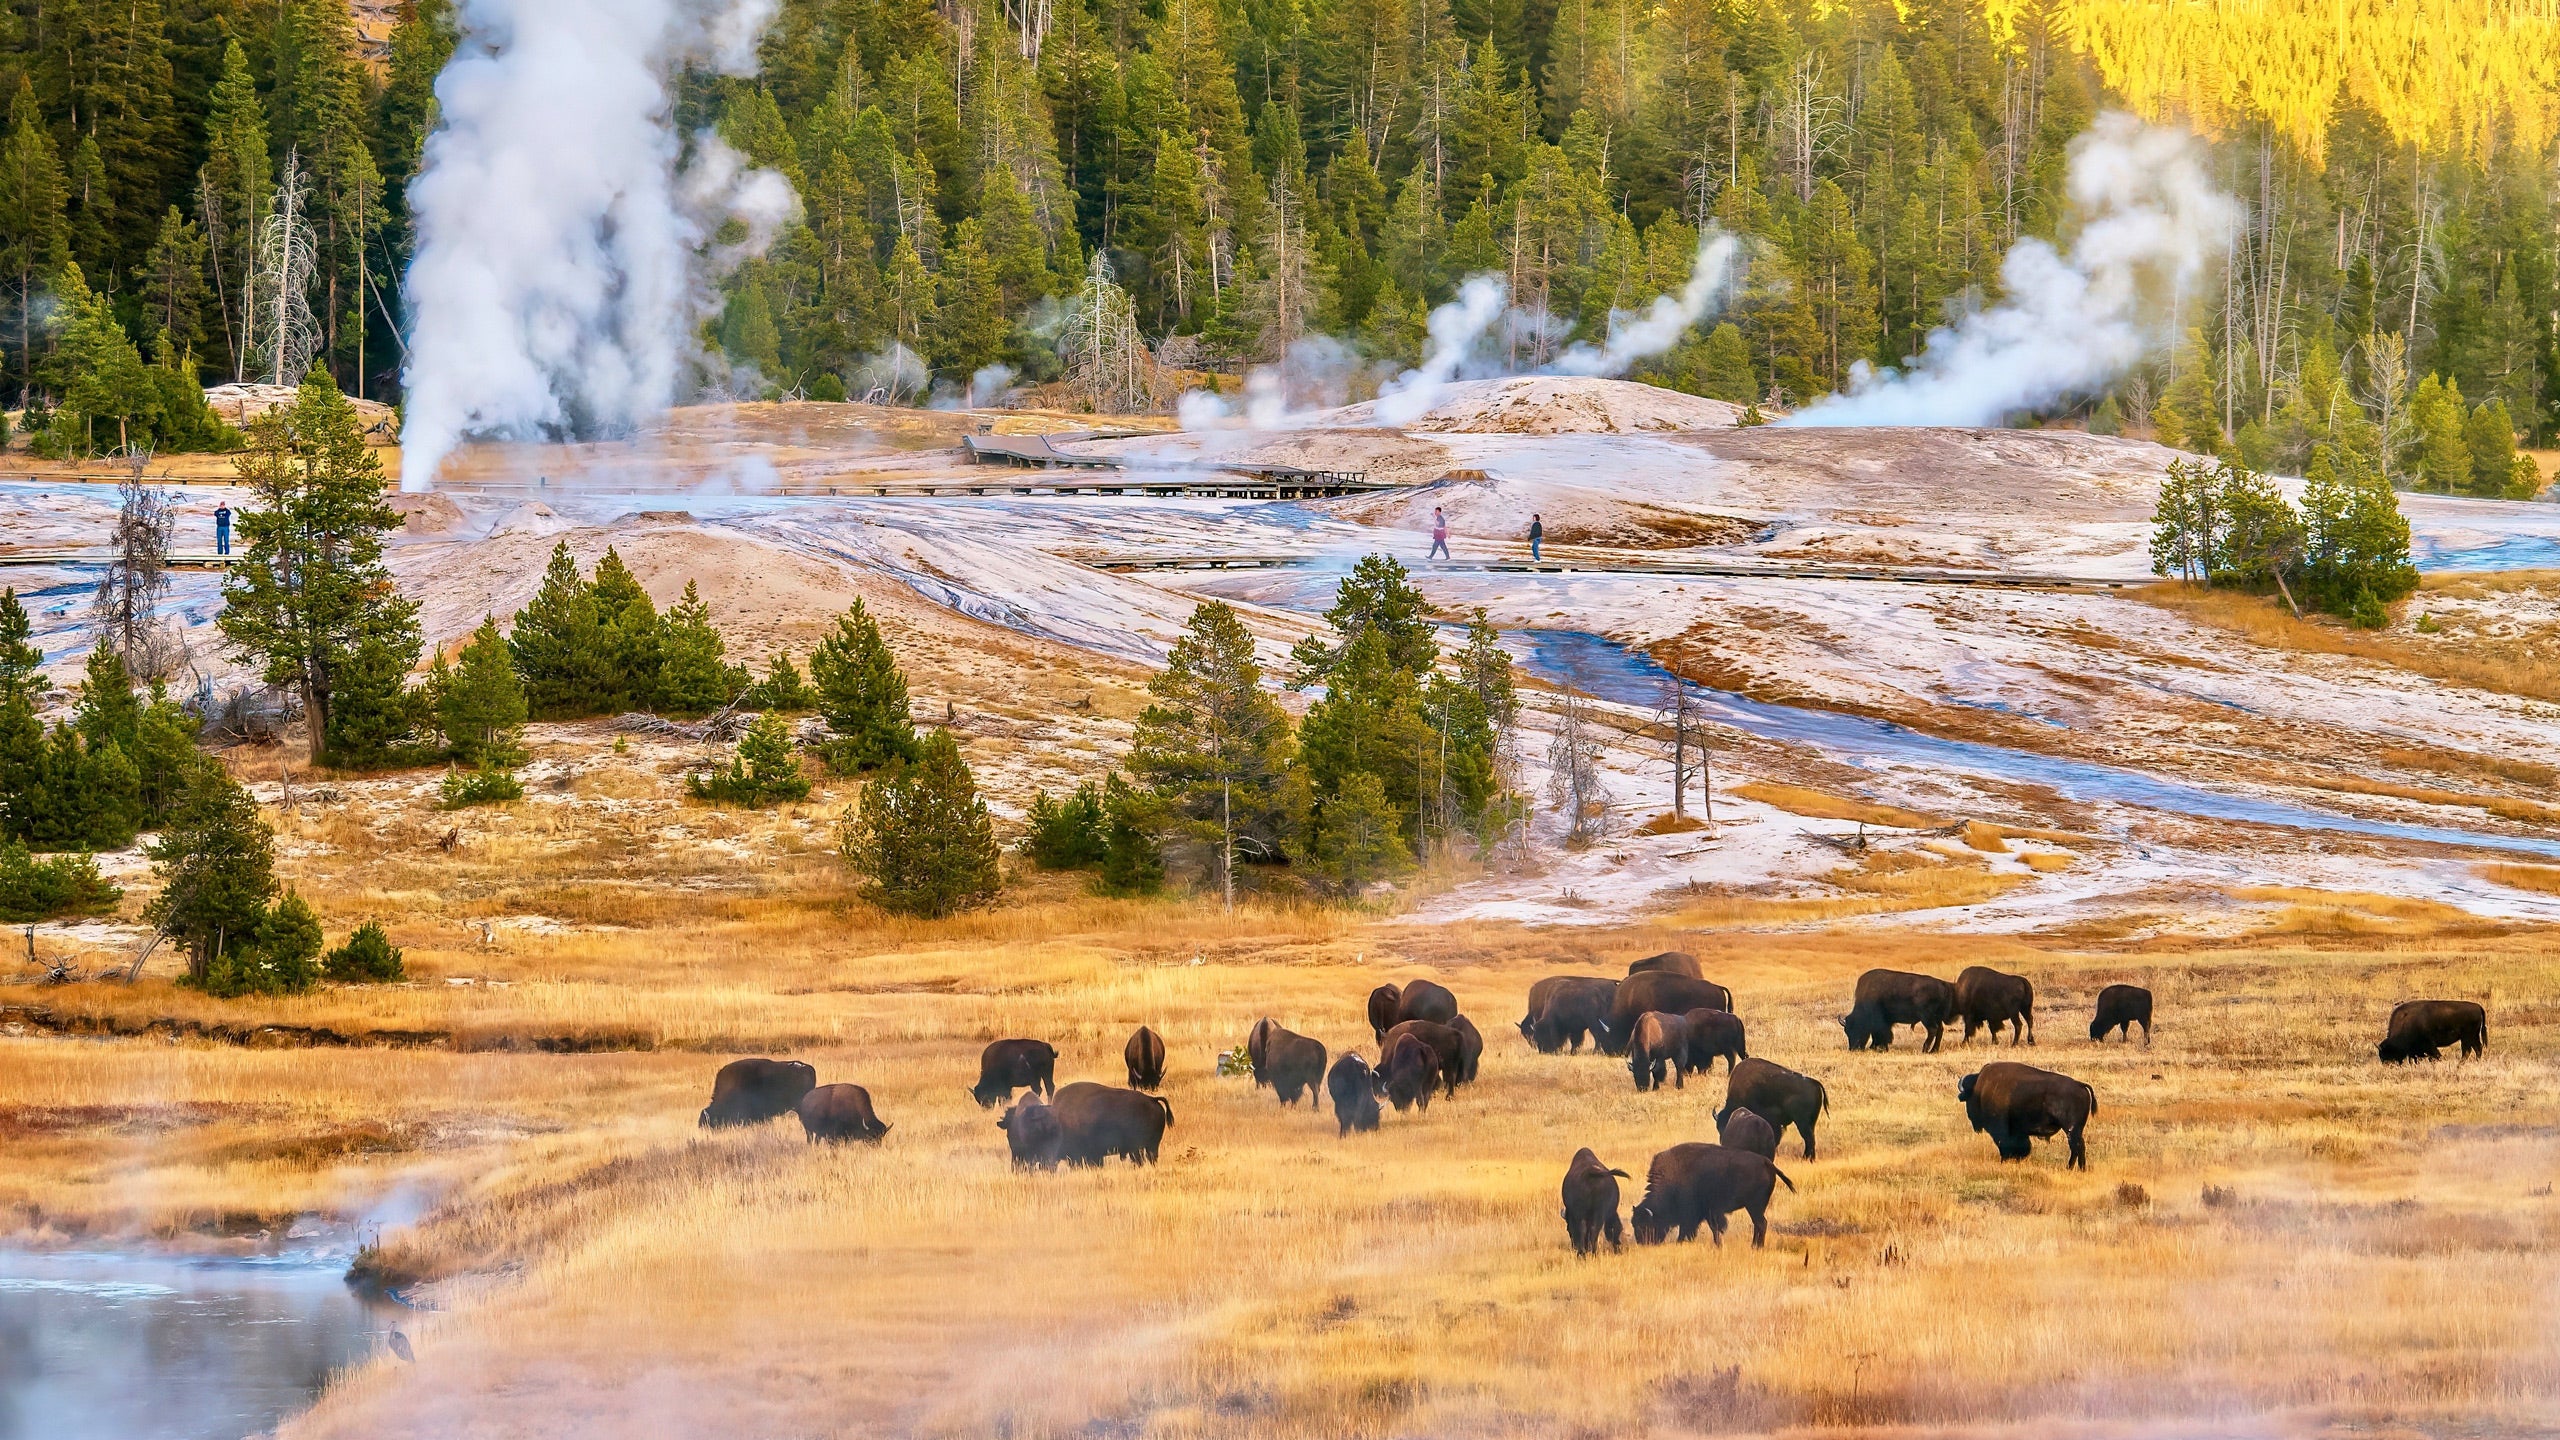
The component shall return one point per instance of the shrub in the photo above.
(764, 771)
(1066, 834)
(1132, 858)
(51, 888)
(923, 836)
(280, 958)
(367, 956)
(782, 690)
(488, 785)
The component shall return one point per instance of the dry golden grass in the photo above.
(601, 1267)
(2509, 665)
(1823, 805)
(2545, 878)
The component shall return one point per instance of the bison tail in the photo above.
(1621, 1174)
(1166, 1106)
(1822, 1099)
(2093, 1096)
(1781, 1174)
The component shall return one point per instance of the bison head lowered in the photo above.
(1648, 1223)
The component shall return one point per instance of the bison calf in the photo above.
(750, 1092)
(1591, 1203)
(1144, 1055)
(1985, 996)
(2015, 1104)
(1660, 1042)
(2420, 1029)
(1009, 1065)
(1747, 1131)
(1290, 1063)
(1690, 1185)
(1775, 1094)
(840, 1112)
(1355, 1089)
(2121, 1007)
(1713, 1033)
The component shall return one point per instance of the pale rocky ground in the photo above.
(1005, 627)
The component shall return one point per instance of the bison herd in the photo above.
(1665, 1018)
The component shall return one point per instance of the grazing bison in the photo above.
(1144, 1055)
(1887, 998)
(2121, 1007)
(1670, 994)
(2013, 1103)
(1382, 1010)
(1031, 1132)
(1775, 1094)
(1288, 1062)
(1448, 1049)
(1985, 996)
(1096, 1122)
(1669, 962)
(1713, 1033)
(1009, 1065)
(2420, 1029)
(1426, 1000)
(1661, 1041)
(840, 1112)
(1747, 1131)
(1355, 1089)
(1565, 1008)
(1411, 1069)
(1470, 1048)
(1591, 1203)
(750, 1092)
(1690, 1185)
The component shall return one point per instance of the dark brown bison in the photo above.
(1031, 1132)
(1669, 962)
(2121, 1007)
(1747, 1131)
(1565, 1008)
(1690, 1185)
(750, 1092)
(1290, 1063)
(2014, 1103)
(1355, 1089)
(840, 1112)
(1144, 1055)
(1426, 1000)
(1470, 1048)
(1096, 1122)
(1775, 1094)
(1411, 1070)
(1887, 998)
(1448, 1049)
(1670, 994)
(2420, 1029)
(1591, 1203)
(1382, 1010)
(1661, 1042)
(1009, 1065)
(1985, 996)
(1713, 1033)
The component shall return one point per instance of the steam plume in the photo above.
(2151, 222)
(1643, 334)
(561, 267)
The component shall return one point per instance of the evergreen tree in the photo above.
(1132, 861)
(631, 634)
(1065, 834)
(216, 865)
(481, 706)
(21, 679)
(692, 677)
(762, 771)
(2355, 540)
(2443, 457)
(233, 190)
(367, 958)
(35, 229)
(782, 690)
(1376, 595)
(172, 281)
(862, 695)
(110, 406)
(1361, 840)
(971, 330)
(2490, 435)
(1214, 746)
(559, 647)
(309, 598)
(923, 836)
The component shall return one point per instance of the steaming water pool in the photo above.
(125, 1346)
(1610, 671)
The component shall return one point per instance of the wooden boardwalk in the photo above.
(1710, 568)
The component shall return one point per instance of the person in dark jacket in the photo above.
(222, 528)
(1537, 536)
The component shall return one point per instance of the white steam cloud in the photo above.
(2151, 222)
(1643, 334)
(565, 252)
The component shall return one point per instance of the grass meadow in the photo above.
(2275, 1232)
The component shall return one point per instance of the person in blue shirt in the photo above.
(222, 528)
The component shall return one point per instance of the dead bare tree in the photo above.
(126, 604)
(1573, 764)
(1681, 722)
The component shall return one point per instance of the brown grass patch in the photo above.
(2543, 878)
(2507, 666)
(1824, 805)
(1985, 838)
(2046, 862)
(1669, 824)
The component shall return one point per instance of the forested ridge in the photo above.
(1256, 172)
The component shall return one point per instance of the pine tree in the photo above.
(1725, 371)
(232, 194)
(1214, 746)
(1064, 834)
(862, 695)
(631, 635)
(692, 677)
(172, 280)
(110, 406)
(2444, 459)
(1361, 840)
(481, 706)
(21, 679)
(367, 958)
(2490, 435)
(763, 770)
(923, 836)
(216, 865)
(559, 646)
(35, 231)
(309, 598)
(970, 332)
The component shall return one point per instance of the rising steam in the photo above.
(2151, 221)
(565, 253)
